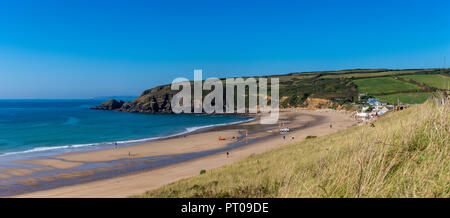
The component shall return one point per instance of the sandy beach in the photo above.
(260, 138)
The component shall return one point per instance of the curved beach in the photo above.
(132, 170)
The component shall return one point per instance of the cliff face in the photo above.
(317, 103)
(109, 105)
(155, 100)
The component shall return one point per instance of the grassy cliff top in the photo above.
(341, 86)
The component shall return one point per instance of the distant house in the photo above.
(382, 111)
(365, 108)
(361, 95)
(372, 100)
(363, 115)
(375, 102)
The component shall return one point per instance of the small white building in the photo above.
(362, 115)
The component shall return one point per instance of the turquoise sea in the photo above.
(29, 127)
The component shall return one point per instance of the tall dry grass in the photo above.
(406, 154)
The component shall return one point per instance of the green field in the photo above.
(436, 81)
(341, 87)
(369, 74)
(383, 85)
(410, 98)
(405, 154)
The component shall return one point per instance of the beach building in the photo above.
(375, 109)
(361, 95)
(363, 116)
(383, 111)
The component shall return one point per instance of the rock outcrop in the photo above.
(318, 103)
(109, 105)
(155, 100)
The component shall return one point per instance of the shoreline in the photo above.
(260, 139)
(74, 148)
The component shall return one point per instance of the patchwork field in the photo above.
(383, 85)
(409, 98)
(436, 81)
(340, 87)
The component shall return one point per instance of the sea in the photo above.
(33, 128)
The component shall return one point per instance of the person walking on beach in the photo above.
(129, 155)
(246, 135)
(228, 154)
(115, 145)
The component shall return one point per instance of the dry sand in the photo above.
(314, 123)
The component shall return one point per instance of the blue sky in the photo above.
(80, 49)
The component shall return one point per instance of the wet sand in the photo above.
(260, 138)
(197, 142)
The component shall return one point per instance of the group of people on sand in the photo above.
(292, 137)
(129, 153)
(246, 135)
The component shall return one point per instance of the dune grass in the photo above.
(406, 154)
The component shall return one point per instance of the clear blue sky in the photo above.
(79, 49)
